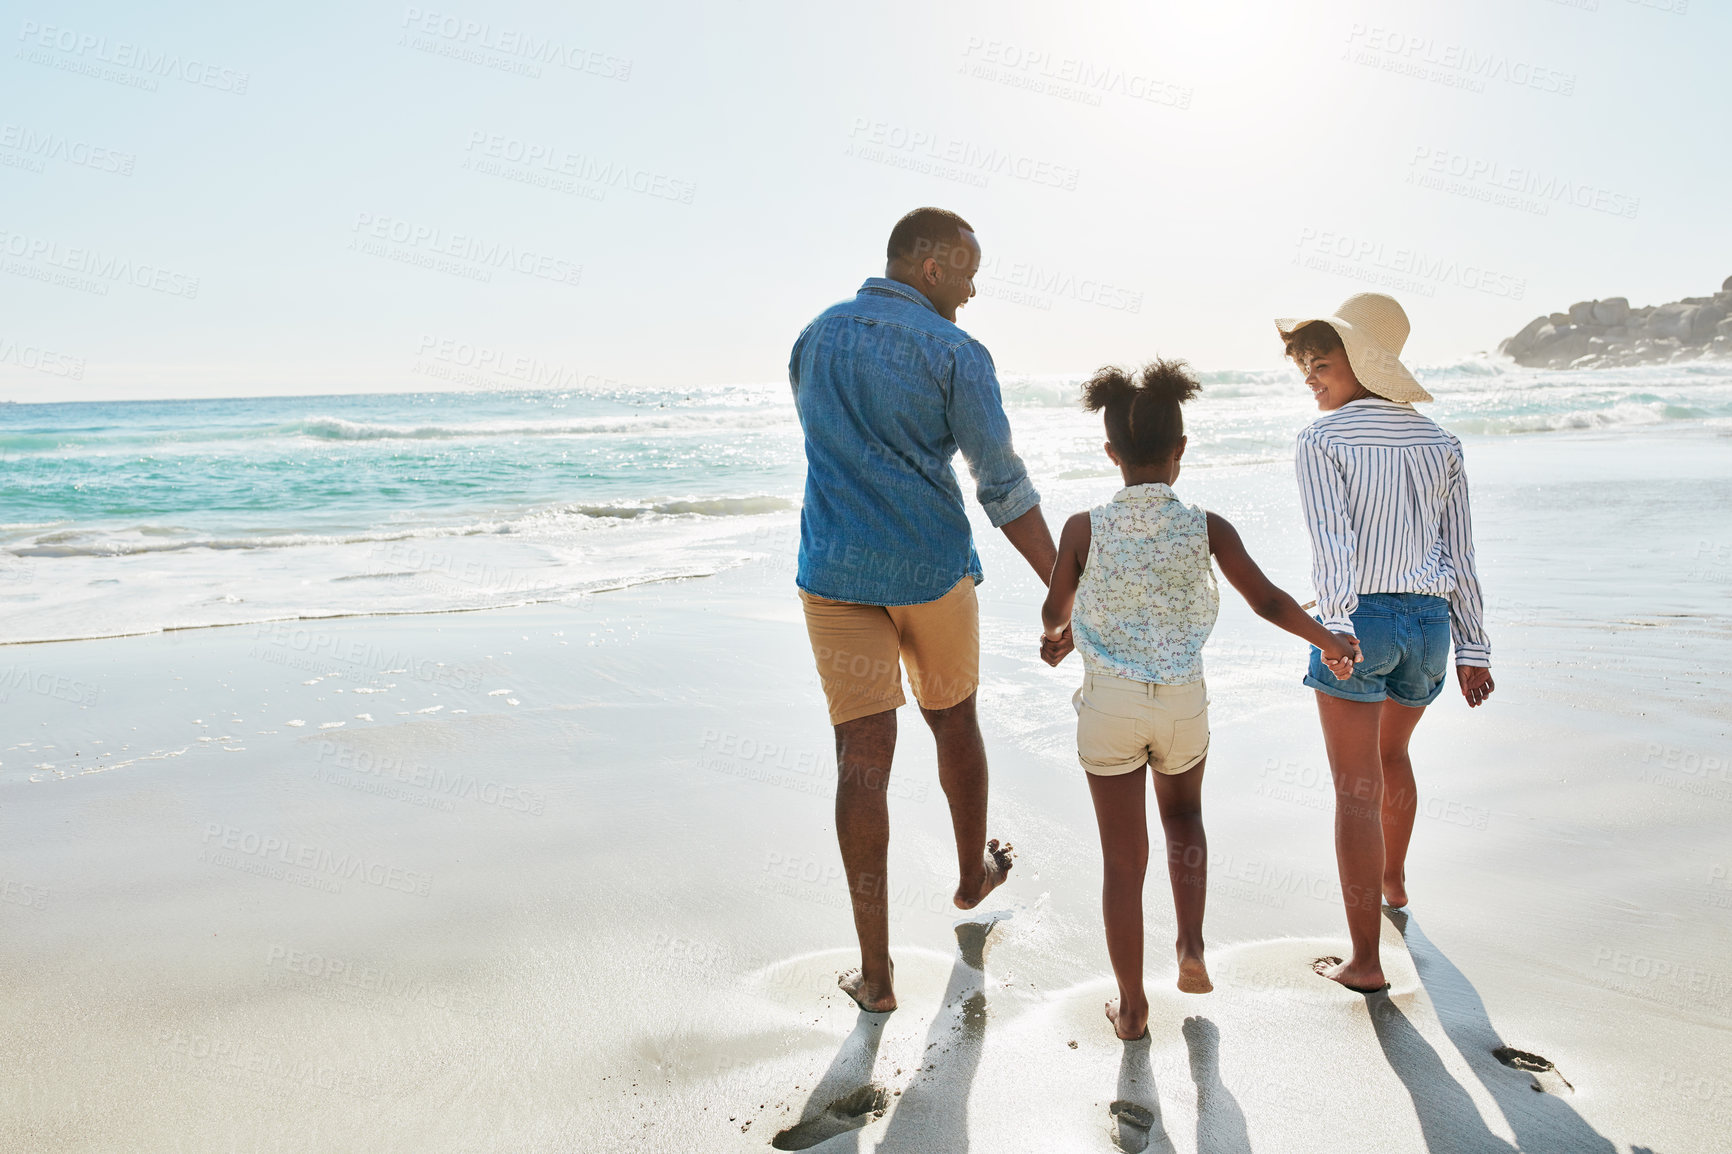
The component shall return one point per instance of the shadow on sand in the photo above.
(1135, 1115)
(933, 1112)
(1220, 1122)
(845, 1098)
(1543, 1123)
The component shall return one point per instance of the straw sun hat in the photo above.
(1373, 328)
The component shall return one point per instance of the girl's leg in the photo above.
(1400, 795)
(1121, 813)
(1180, 797)
(1350, 735)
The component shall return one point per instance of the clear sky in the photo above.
(230, 199)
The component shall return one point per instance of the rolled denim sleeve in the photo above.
(982, 431)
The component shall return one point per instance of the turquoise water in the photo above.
(135, 516)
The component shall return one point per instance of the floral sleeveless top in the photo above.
(1146, 601)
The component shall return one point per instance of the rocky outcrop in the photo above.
(1610, 334)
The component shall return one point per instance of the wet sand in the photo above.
(571, 883)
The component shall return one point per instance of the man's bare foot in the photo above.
(1130, 1027)
(995, 863)
(1194, 976)
(1361, 979)
(874, 999)
(1395, 892)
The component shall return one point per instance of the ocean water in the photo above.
(130, 517)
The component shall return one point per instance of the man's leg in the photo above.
(864, 748)
(1350, 731)
(854, 647)
(1121, 813)
(981, 867)
(1400, 795)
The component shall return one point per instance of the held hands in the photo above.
(1342, 655)
(1055, 649)
(1476, 683)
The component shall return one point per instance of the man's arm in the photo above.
(975, 412)
(1034, 541)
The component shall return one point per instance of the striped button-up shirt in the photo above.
(1385, 500)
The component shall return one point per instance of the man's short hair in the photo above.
(923, 232)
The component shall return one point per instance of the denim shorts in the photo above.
(1405, 640)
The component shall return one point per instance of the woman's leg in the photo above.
(1400, 795)
(1180, 798)
(1350, 735)
(1121, 813)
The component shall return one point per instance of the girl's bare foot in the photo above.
(1128, 1025)
(1395, 891)
(1194, 976)
(995, 864)
(874, 998)
(1360, 978)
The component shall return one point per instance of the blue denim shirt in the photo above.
(887, 391)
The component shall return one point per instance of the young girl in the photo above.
(1385, 498)
(1137, 571)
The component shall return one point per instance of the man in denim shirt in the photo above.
(888, 389)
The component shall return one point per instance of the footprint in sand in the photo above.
(1546, 1079)
(1131, 1126)
(849, 1112)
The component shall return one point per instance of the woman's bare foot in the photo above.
(1361, 979)
(873, 998)
(1128, 1025)
(995, 867)
(1194, 975)
(1395, 892)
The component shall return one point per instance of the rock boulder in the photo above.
(1609, 333)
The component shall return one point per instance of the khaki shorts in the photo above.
(1121, 725)
(857, 647)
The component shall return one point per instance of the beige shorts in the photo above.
(1121, 725)
(857, 649)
